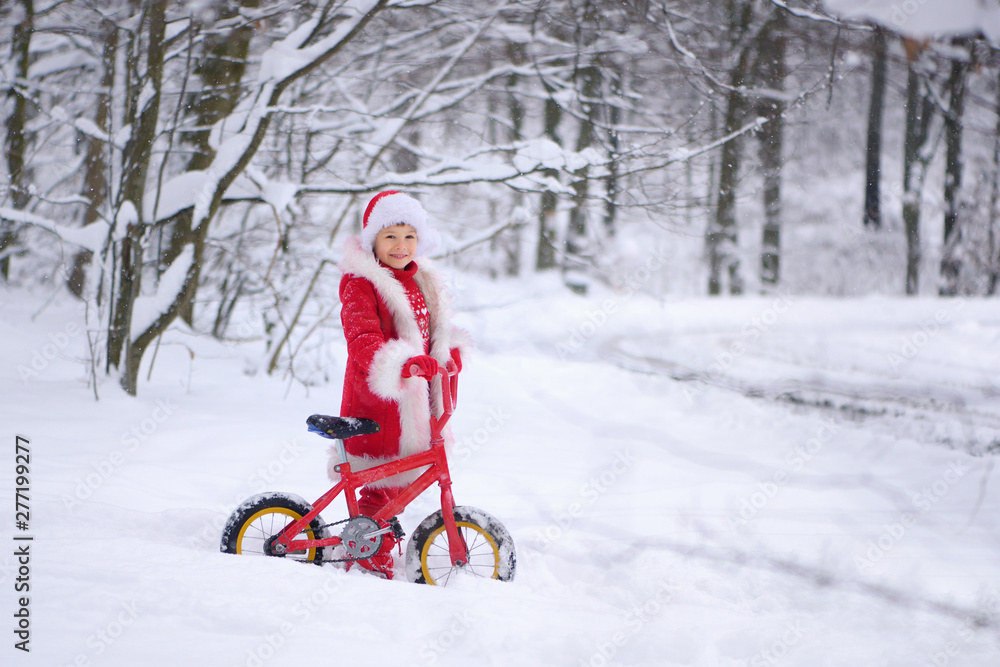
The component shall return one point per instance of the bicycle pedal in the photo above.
(397, 530)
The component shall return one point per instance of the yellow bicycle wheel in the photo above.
(490, 548)
(253, 525)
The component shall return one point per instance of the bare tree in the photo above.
(876, 110)
(771, 73)
(724, 261)
(314, 43)
(143, 108)
(587, 82)
(993, 217)
(220, 70)
(95, 180)
(16, 139)
(547, 223)
(951, 254)
(916, 156)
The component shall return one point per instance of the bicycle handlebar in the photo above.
(449, 389)
(415, 372)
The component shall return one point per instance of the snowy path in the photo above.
(658, 521)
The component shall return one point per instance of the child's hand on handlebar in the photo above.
(454, 364)
(421, 366)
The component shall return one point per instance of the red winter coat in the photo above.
(382, 332)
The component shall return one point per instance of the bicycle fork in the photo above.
(458, 551)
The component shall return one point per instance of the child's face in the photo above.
(396, 246)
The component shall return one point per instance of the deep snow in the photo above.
(763, 481)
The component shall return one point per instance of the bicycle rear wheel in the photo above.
(253, 525)
(490, 546)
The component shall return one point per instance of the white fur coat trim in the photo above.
(385, 375)
(359, 463)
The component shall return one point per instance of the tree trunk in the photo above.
(876, 107)
(771, 70)
(517, 55)
(95, 185)
(616, 92)
(577, 251)
(546, 254)
(136, 158)
(253, 132)
(724, 261)
(919, 110)
(221, 72)
(951, 262)
(16, 140)
(993, 251)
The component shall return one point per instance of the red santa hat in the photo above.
(395, 208)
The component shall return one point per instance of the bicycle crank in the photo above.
(362, 537)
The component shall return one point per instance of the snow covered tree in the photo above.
(770, 72)
(917, 154)
(951, 260)
(722, 235)
(876, 111)
(198, 163)
(587, 80)
(95, 180)
(993, 216)
(16, 142)
(142, 116)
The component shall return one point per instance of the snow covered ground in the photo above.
(761, 481)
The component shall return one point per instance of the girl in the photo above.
(396, 321)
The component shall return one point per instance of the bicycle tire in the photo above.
(491, 548)
(261, 517)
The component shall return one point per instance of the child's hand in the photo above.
(421, 366)
(455, 364)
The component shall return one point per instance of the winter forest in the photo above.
(200, 161)
(729, 269)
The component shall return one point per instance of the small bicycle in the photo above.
(451, 539)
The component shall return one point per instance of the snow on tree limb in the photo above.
(282, 64)
(456, 57)
(481, 237)
(492, 166)
(924, 18)
(815, 16)
(148, 309)
(181, 192)
(90, 238)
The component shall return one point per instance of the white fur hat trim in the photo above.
(396, 208)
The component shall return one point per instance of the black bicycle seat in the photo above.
(341, 428)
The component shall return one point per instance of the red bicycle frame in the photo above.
(434, 458)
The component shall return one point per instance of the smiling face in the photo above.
(396, 246)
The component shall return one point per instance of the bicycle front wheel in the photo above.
(253, 526)
(490, 548)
